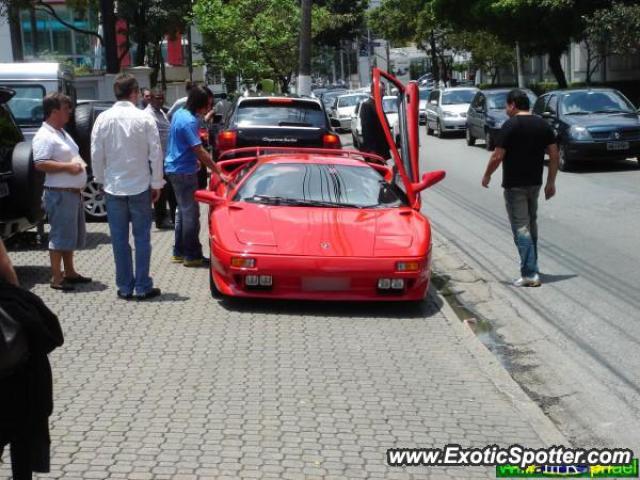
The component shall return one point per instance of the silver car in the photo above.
(446, 110)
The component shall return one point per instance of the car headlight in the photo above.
(579, 133)
(449, 114)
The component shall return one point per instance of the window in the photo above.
(300, 184)
(390, 105)
(538, 107)
(498, 101)
(434, 96)
(264, 112)
(26, 105)
(552, 106)
(602, 101)
(350, 101)
(457, 97)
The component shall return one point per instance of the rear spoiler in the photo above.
(256, 152)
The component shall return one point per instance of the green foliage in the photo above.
(615, 29)
(255, 38)
(346, 20)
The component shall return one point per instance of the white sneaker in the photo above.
(528, 281)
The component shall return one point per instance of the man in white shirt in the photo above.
(56, 154)
(126, 159)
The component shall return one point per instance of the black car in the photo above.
(21, 184)
(591, 124)
(487, 113)
(277, 122)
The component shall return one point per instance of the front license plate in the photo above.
(328, 284)
(617, 146)
(4, 189)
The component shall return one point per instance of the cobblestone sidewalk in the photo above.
(187, 387)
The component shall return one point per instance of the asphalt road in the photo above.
(580, 331)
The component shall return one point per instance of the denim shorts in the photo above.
(66, 218)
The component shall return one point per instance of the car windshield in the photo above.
(576, 103)
(457, 97)
(390, 105)
(350, 100)
(318, 185)
(498, 100)
(270, 113)
(26, 105)
(329, 97)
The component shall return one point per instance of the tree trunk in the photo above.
(435, 68)
(556, 67)
(141, 41)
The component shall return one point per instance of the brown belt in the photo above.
(64, 189)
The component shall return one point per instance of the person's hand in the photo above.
(485, 181)
(155, 194)
(549, 190)
(75, 168)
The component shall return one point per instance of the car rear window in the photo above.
(284, 113)
(458, 97)
(350, 100)
(26, 105)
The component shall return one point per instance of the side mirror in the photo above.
(209, 197)
(547, 115)
(335, 123)
(433, 102)
(429, 179)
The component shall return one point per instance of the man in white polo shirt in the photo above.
(56, 154)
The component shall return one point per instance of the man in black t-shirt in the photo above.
(523, 141)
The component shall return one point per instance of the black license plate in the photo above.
(616, 146)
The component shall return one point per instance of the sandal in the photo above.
(77, 279)
(63, 285)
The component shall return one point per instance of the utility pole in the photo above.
(304, 74)
(109, 34)
(519, 66)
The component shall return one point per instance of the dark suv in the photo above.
(591, 124)
(277, 122)
(20, 183)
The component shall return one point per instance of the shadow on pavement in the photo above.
(602, 167)
(548, 278)
(30, 276)
(424, 309)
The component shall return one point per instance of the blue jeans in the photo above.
(134, 209)
(522, 208)
(187, 230)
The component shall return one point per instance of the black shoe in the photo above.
(77, 279)
(165, 225)
(123, 296)
(154, 292)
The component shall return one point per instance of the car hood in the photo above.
(606, 120)
(458, 108)
(346, 111)
(328, 232)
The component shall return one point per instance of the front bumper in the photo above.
(454, 123)
(598, 150)
(319, 278)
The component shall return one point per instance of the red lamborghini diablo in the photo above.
(322, 224)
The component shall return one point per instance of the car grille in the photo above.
(631, 134)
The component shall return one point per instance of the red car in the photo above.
(322, 224)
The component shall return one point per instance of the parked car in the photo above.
(390, 107)
(447, 110)
(343, 108)
(276, 121)
(31, 82)
(424, 98)
(591, 124)
(21, 184)
(487, 113)
(320, 224)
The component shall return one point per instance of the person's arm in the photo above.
(51, 166)
(554, 161)
(156, 161)
(205, 158)
(494, 162)
(6, 268)
(97, 153)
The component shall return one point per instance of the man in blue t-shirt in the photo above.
(184, 151)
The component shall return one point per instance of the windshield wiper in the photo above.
(297, 202)
(578, 113)
(611, 111)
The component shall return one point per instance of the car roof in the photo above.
(584, 89)
(452, 89)
(32, 71)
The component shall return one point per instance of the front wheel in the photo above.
(489, 143)
(429, 129)
(440, 131)
(471, 141)
(564, 163)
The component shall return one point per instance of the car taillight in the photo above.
(227, 140)
(330, 140)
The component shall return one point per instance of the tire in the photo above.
(26, 185)
(489, 143)
(564, 163)
(354, 140)
(83, 118)
(429, 130)
(93, 201)
(215, 293)
(471, 140)
(439, 131)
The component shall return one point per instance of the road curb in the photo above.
(500, 377)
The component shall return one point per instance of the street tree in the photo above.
(255, 38)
